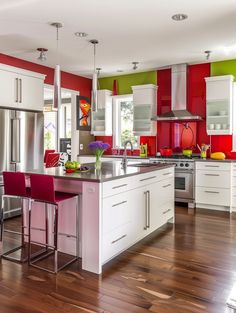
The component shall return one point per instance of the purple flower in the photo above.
(98, 147)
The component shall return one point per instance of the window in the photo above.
(123, 121)
(51, 118)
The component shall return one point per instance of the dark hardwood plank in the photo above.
(188, 268)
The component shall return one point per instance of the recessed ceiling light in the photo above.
(208, 54)
(120, 71)
(135, 65)
(81, 34)
(179, 17)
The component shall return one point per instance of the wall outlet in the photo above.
(81, 146)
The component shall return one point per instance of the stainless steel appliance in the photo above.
(21, 146)
(184, 177)
(179, 111)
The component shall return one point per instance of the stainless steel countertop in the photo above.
(109, 171)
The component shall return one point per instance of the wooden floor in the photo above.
(188, 268)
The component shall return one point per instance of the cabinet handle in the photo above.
(146, 210)
(20, 83)
(165, 186)
(116, 204)
(149, 213)
(67, 235)
(207, 191)
(164, 174)
(211, 165)
(147, 178)
(211, 174)
(118, 239)
(115, 187)
(166, 211)
(16, 90)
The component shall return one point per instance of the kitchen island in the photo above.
(118, 207)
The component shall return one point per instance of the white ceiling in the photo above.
(127, 30)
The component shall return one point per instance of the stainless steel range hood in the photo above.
(179, 110)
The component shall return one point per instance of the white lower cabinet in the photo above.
(135, 209)
(214, 185)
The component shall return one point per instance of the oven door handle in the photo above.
(184, 172)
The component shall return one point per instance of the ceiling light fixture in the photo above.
(135, 65)
(120, 71)
(94, 42)
(179, 17)
(208, 54)
(57, 72)
(81, 34)
(42, 56)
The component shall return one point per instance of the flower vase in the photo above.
(98, 163)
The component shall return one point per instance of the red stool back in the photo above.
(52, 159)
(14, 184)
(46, 154)
(42, 188)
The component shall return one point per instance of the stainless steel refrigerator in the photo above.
(21, 147)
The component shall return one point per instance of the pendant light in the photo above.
(57, 73)
(95, 78)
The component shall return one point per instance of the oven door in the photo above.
(184, 185)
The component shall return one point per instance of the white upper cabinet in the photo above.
(219, 104)
(102, 119)
(21, 89)
(145, 107)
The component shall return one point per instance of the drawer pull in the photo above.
(212, 166)
(119, 203)
(67, 235)
(211, 174)
(147, 178)
(166, 211)
(118, 239)
(165, 186)
(119, 186)
(207, 191)
(164, 174)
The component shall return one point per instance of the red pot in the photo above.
(166, 152)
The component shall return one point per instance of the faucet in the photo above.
(124, 159)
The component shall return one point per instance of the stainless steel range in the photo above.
(184, 177)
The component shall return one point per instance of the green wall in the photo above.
(124, 82)
(227, 67)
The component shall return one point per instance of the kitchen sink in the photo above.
(143, 164)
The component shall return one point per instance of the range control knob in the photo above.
(181, 164)
(186, 165)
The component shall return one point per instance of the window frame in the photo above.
(116, 101)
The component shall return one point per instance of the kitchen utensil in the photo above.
(187, 152)
(166, 151)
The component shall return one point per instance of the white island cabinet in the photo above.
(134, 208)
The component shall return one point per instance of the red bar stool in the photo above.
(42, 190)
(14, 187)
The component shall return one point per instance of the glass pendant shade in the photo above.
(57, 88)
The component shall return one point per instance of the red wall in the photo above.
(68, 80)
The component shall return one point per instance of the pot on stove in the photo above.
(166, 152)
